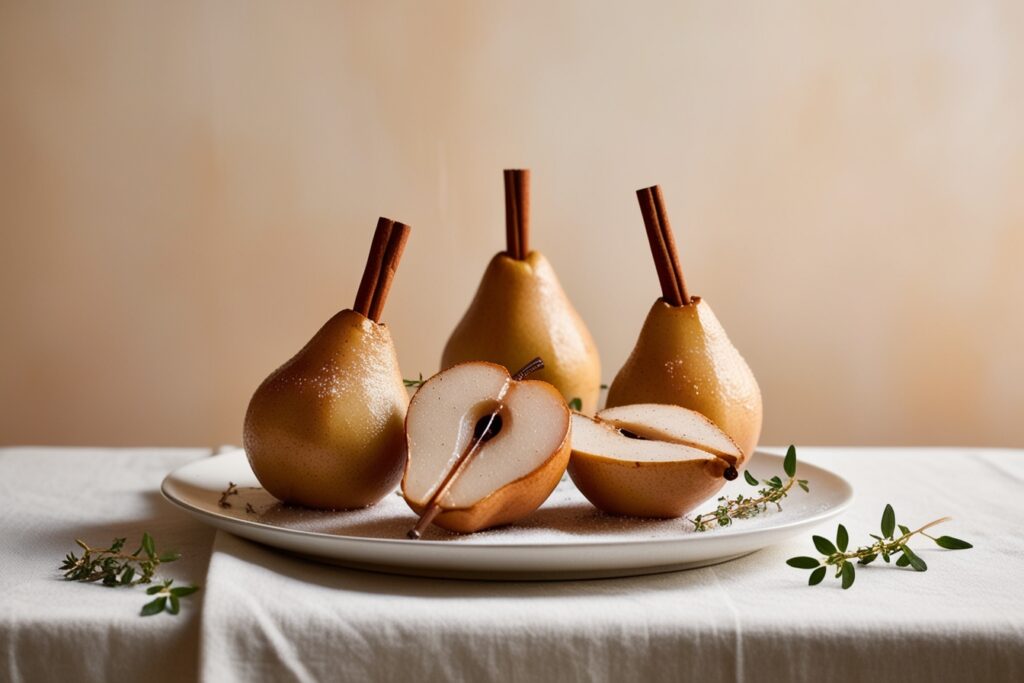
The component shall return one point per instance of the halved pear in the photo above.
(650, 460)
(515, 469)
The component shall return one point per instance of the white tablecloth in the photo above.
(263, 615)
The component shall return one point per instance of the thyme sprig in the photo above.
(113, 566)
(231, 490)
(743, 507)
(414, 382)
(887, 546)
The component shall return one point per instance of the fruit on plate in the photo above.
(683, 355)
(486, 448)
(650, 460)
(520, 310)
(326, 429)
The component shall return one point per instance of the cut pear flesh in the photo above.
(673, 424)
(654, 475)
(532, 438)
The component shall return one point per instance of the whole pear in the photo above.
(520, 311)
(683, 357)
(326, 429)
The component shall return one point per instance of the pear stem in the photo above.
(433, 508)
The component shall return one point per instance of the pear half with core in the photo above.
(520, 458)
(326, 429)
(650, 460)
(520, 311)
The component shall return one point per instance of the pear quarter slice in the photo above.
(662, 422)
(677, 462)
(512, 473)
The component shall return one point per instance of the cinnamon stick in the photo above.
(389, 264)
(670, 244)
(517, 213)
(663, 246)
(511, 220)
(371, 272)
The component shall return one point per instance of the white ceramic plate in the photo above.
(566, 538)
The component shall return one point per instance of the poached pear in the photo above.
(520, 310)
(326, 429)
(683, 355)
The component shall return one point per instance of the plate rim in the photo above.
(847, 496)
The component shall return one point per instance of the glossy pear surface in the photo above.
(326, 429)
(684, 357)
(521, 311)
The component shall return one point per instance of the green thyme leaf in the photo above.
(789, 462)
(823, 545)
(148, 546)
(175, 604)
(950, 543)
(868, 559)
(816, 576)
(154, 607)
(749, 478)
(842, 538)
(182, 591)
(848, 574)
(803, 562)
(888, 521)
(916, 562)
(576, 403)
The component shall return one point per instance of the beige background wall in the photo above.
(187, 191)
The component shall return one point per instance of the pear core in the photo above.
(326, 429)
(521, 311)
(684, 357)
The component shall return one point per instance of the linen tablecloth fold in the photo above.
(55, 630)
(269, 616)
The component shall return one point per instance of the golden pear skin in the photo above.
(520, 311)
(327, 428)
(684, 357)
